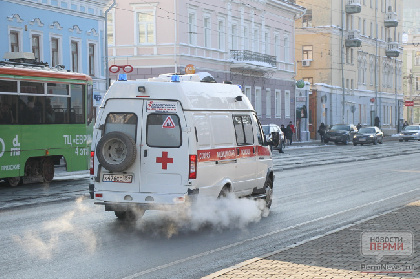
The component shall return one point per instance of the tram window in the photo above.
(8, 86)
(31, 110)
(58, 89)
(8, 105)
(77, 113)
(31, 87)
(56, 110)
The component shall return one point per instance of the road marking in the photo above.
(416, 171)
(138, 274)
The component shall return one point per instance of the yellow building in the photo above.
(337, 42)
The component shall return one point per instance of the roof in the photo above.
(193, 95)
(42, 73)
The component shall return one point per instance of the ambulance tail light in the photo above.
(193, 167)
(92, 154)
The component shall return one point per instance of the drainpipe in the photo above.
(106, 45)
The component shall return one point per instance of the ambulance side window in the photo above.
(163, 130)
(243, 129)
(259, 130)
(121, 122)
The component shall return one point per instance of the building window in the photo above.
(286, 49)
(348, 55)
(92, 55)
(268, 103)
(267, 43)
(146, 27)
(36, 47)
(364, 27)
(278, 103)
(307, 19)
(221, 33)
(192, 28)
(417, 58)
(55, 51)
(246, 38)
(234, 38)
(258, 103)
(418, 83)
(207, 32)
(307, 53)
(74, 56)
(277, 46)
(287, 103)
(110, 29)
(256, 46)
(248, 93)
(14, 41)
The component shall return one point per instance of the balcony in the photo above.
(353, 39)
(253, 60)
(353, 6)
(392, 49)
(391, 19)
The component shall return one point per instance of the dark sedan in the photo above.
(368, 135)
(340, 133)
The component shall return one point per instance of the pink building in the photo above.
(250, 43)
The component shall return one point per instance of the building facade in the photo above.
(249, 43)
(58, 32)
(349, 50)
(411, 68)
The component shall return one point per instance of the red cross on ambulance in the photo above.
(164, 160)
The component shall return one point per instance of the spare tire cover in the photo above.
(116, 151)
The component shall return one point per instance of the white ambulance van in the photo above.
(161, 142)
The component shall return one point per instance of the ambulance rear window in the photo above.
(163, 130)
(121, 122)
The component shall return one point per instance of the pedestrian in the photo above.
(358, 126)
(290, 129)
(321, 131)
(405, 124)
(377, 121)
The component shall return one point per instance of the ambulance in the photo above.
(165, 141)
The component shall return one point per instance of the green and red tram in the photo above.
(46, 116)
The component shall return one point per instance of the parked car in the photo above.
(274, 136)
(368, 135)
(410, 132)
(340, 133)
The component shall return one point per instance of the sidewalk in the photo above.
(339, 255)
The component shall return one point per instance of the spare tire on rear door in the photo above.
(116, 151)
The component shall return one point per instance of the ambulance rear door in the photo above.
(164, 148)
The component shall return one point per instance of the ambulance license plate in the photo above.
(121, 178)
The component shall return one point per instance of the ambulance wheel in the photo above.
(129, 215)
(47, 170)
(268, 186)
(14, 181)
(116, 151)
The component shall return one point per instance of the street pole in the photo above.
(106, 45)
(342, 60)
(176, 36)
(396, 99)
(376, 59)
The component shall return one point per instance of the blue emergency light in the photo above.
(122, 77)
(175, 78)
